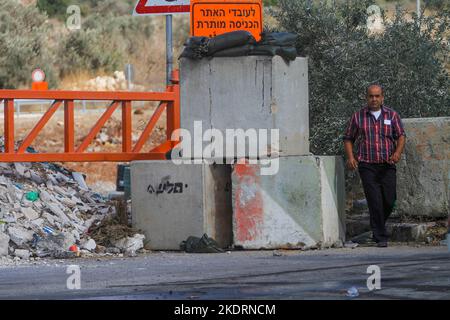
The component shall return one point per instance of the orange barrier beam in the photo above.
(87, 95)
(170, 101)
(98, 126)
(35, 131)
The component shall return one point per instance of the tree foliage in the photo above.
(408, 58)
(23, 45)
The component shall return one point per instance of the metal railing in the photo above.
(169, 102)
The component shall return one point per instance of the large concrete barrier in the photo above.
(172, 202)
(423, 174)
(302, 206)
(248, 93)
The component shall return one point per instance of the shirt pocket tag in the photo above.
(387, 122)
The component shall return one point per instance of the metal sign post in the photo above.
(169, 48)
(167, 8)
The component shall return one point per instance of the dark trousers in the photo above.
(379, 183)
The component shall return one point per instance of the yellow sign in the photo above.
(209, 18)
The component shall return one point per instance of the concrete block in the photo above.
(302, 206)
(423, 175)
(248, 93)
(172, 202)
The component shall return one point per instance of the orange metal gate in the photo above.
(170, 102)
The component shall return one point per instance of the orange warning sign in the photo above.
(210, 18)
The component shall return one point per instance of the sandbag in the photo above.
(229, 40)
(282, 39)
(235, 52)
(204, 244)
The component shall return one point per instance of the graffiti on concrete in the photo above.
(167, 187)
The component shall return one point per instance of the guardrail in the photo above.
(169, 102)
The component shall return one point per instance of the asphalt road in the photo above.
(406, 273)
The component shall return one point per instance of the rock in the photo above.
(130, 244)
(89, 245)
(9, 219)
(113, 250)
(58, 212)
(38, 223)
(19, 235)
(75, 234)
(338, 244)
(4, 244)
(350, 244)
(30, 214)
(80, 180)
(100, 249)
(36, 178)
(22, 254)
(59, 254)
(50, 218)
(277, 253)
(408, 232)
(20, 169)
(68, 202)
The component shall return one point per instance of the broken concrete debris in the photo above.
(45, 209)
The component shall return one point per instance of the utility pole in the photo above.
(169, 49)
(418, 8)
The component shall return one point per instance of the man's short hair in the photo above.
(374, 85)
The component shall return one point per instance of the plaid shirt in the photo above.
(376, 138)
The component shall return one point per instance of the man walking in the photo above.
(378, 132)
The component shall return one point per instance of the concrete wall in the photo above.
(248, 92)
(300, 207)
(196, 200)
(423, 174)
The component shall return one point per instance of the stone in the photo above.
(100, 249)
(68, 202)
(19, 235)
(113, 250)
(36, 178)
(50, 218)
(20, 169)
(80, 180)
(38, 223)
(408, 232)
(58, 212)
(130, 244)
(350, 244)
(89, 245)
(4, 244)
(30, 214)
(46, 197)
(22, 254)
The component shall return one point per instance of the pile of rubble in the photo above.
(48, 211)
(117, 82)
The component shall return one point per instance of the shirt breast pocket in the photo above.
(387, 129)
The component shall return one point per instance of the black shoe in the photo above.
(382, 244)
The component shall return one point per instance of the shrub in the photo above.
(23, 45)
(408, 60)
